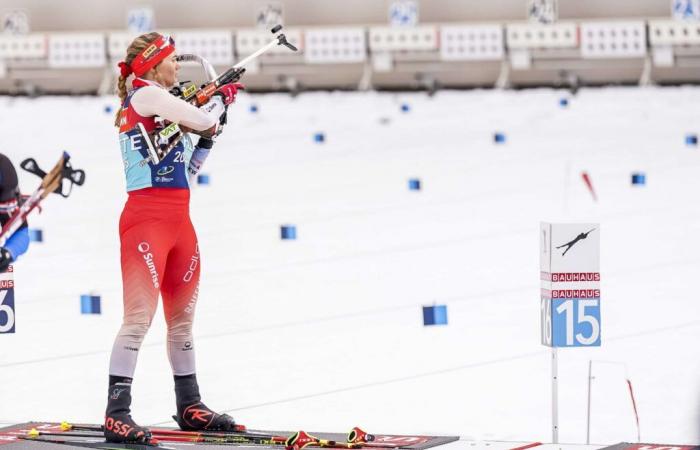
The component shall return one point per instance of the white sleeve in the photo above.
(155, 101)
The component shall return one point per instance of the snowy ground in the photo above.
(325, 332)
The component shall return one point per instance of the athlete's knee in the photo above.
(134, 331)
(180, 330)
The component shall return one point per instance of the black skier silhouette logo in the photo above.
(570, 244)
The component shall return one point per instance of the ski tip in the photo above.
(66, 156)
(33, 433)
(359, 436)
(65, 426)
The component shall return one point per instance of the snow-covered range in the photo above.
(325, 332)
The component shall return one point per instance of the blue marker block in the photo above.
(414, 184)
(203, 179)
(405, 107)
(253, 109)
(108, 109)
(639, 179)
(90, 304)
(691, 140)
(320, 138)
(435, 315)
(36, 235)
(564, 102)
(288, 232)
(499, 138)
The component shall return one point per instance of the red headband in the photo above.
(156, 52)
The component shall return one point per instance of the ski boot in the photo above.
(119, 426)
(192, 414)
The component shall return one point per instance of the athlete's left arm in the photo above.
(200, 154)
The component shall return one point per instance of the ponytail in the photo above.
(121, 92)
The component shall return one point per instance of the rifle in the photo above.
(188, 91)
(165, 140)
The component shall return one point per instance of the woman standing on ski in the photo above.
(159, 251)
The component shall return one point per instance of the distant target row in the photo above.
(691, 139)
(432, 314)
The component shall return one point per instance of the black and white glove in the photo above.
(5, 259)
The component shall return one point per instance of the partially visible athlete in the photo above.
(18, 243)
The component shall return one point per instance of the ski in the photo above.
(163, 435)
(240, 432)
(67, 426)
(97, 443)
(50, 182)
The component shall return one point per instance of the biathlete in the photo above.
(159, 251)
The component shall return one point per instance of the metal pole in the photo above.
(588, 412)
(555, 398)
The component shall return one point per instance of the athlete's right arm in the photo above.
(155, 101)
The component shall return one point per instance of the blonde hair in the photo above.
(137, 46)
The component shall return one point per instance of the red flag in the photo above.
(587, 180)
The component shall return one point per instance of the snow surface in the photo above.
(325, 332)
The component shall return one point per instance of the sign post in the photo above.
(570, 293)
(543, 11)
(140, 20)
(15, 22)
(270, 15)
(403, 13)
(685, 9)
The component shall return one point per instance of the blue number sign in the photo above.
(570, 322)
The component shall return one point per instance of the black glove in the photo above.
(205, 143)
(5, 259)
